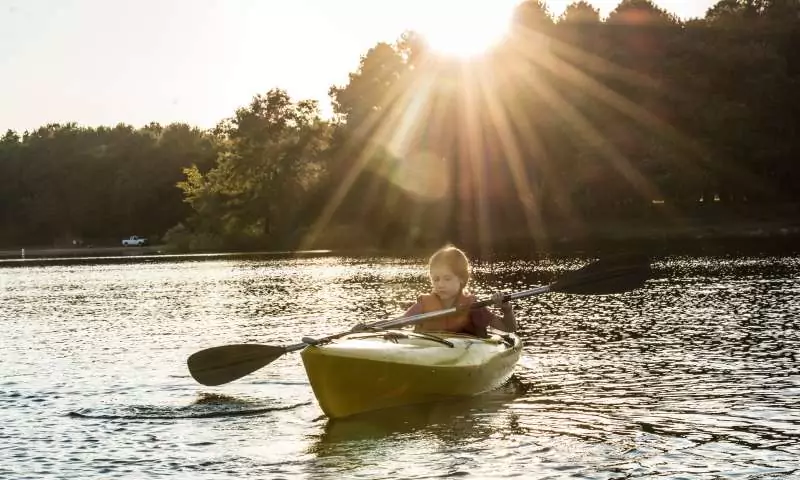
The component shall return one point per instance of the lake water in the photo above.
(694, 376)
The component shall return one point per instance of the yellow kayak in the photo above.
(368, 371)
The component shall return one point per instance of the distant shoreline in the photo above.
(664, 243)
(764, 235)
(46, 252)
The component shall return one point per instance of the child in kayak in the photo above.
(449, 273)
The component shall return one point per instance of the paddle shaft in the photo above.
(600, 277)
(218, 365)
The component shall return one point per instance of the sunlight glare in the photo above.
(421, 174)
(465, 29)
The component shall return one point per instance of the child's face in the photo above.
(445, 283)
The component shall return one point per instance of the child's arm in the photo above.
(415, 309)
(508, 322)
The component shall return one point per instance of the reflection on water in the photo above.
(694, 376)
(441, 420)
(358, 443)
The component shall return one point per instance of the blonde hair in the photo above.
(455, 259)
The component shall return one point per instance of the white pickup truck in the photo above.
(134, 241)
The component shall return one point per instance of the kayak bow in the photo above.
(368, 371)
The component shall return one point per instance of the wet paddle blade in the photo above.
(218, 365)
(610, 275)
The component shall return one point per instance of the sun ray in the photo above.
(583, 81)
(471, 153)
(546, 174)
(377, 131)
(522, 184)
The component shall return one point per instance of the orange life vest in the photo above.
(457, 322)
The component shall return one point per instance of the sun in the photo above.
(465, 29)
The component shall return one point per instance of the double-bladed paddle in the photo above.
(219, 365)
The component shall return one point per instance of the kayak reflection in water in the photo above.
(449, 273)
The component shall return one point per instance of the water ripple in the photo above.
(155, 413)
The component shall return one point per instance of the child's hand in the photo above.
(497, 298)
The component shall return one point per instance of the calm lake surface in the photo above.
(694, 376)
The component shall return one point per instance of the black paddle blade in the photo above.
(217, 365)
(610, 275)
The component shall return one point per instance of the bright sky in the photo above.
(102, 62)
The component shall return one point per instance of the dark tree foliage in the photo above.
(634, 120)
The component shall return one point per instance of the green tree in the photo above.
(580, 12)
(271, 158)
(637, 12)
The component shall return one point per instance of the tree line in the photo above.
(639, 118)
